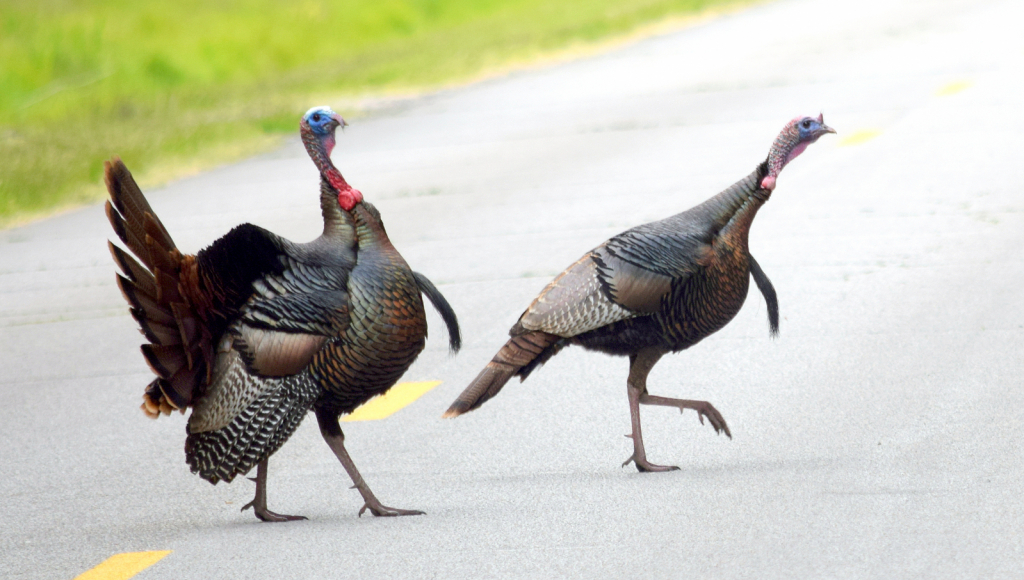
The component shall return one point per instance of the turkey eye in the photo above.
(806, 124)
(316, 117)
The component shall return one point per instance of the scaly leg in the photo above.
(259, 503)
(331, 431)
(640, 366)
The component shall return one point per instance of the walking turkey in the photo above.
(255, 331)
(657, 288)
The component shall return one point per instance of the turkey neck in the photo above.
(733, 210)
(336, 223)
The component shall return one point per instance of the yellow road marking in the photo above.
(953, 88)
(859, 137)
(400, 395)
(123, 566)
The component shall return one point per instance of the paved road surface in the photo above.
(879, 437)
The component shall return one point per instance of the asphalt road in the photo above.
(879, 436)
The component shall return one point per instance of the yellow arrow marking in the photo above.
(123, 566)
(953, 88)
(859, 137)
(400, 395)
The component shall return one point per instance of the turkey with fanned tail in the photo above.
(255, 331)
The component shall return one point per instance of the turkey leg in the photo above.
(335, 438)
(259, 503)
(640, 366)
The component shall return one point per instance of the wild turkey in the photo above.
(255, 330)
(654, 289)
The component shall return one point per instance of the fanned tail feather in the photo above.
(180, 350)
(520, 355)
(130, 219)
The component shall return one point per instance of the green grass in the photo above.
(174, 86)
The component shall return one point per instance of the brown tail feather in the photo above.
(158, 333)
(517, 353)
(155, 232)
(136, 272)
(144, 306)
(132, 204)
(167, 287)
(180, 351)
(165, 360)
(127, 235)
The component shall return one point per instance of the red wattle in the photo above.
(347, 201)
(348, 197)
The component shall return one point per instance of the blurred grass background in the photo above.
(177, 86)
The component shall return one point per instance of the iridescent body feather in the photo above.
(255, 331)
(657, 288)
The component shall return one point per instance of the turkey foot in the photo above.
(703, 408)
(640, 365)
(642, 465)
(377, 509)
(335, 439)
(268, 516)
(259, 503)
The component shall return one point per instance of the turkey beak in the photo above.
(339, 121)
(824, 128)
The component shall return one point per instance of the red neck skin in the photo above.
(319, 148)
(785, 149)
(348, 196)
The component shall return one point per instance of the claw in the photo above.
(266, 515)
(714, 418)
(645, 466)
(652, 467)
(385, 511)
(269, 516)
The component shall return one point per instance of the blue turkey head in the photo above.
(322, 120)
(810, 129)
